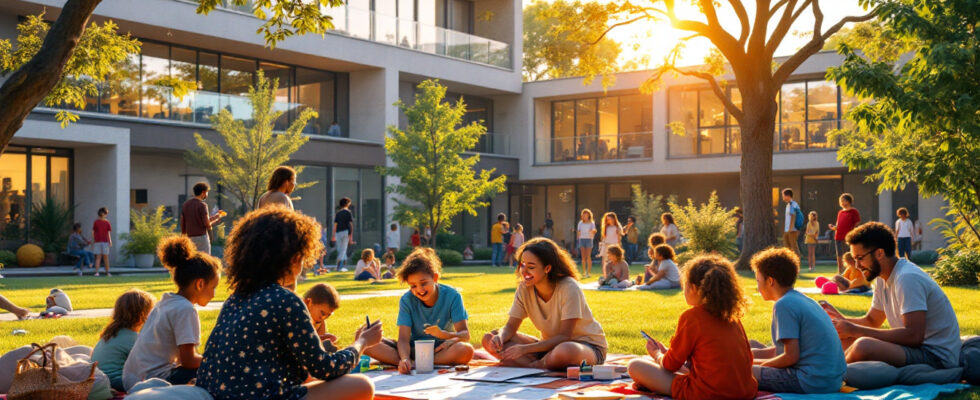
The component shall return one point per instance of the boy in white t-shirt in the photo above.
(905, 231)
(393, 238)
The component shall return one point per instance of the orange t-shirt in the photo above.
(856, 277)
(721, 360)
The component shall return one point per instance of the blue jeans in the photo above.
(631, 249)
(84, 257)
(497, 254)
(905, 247)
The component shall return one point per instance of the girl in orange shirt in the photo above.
(709, 335)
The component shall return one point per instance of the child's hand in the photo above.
(496, 343)
(436, 331)
(653, 349)
(405, 367)
(513, 352)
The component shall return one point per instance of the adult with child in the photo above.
(76, 247)
(847, 219)
(195, 221)
(343, 230)
(586, 231)
(791, 233)
(923, 326)
(672, 235)
(905, 231)
(118, 338)
(102, 236)
(709, 356)
(429, 310)
(666, 275)
(610, 234)
(497, 240)
(264, 344)
(806, 356)
(166, 346)
(281, 185)
(548, 294)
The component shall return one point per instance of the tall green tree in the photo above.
(251, 149)
(924, 125)
(876, 39)
(435, 181)
(748, 53)
(555, 50)
(39, 74)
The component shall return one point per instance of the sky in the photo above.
(654, 39)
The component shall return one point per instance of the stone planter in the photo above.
(143, 260)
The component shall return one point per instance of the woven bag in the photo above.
(42, 382)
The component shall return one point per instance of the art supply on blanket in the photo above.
(591, 395)
(605, 372)
(572, 373)
(424, 355)
(498, 374)
(585, 372)
(364, 364)
(462, 368)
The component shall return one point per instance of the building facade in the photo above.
(562, 145)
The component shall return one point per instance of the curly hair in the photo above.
(185, 263)
(264, 244)
(130, 311)
(422, 259)
(549, 253)
(656, 239)
(616, 251)
(778, 263)
(718, 288)
(665, 251)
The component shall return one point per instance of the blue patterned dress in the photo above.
(264, 346)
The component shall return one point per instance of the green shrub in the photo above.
(51, 225)
(709, 228)
(148, 229)
(924, 257)
(449, 257)
(403, 253)
(8, 258)
(451, 241)
(958, 269)
(482, 253)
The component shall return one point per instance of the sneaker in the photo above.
(108, 274)
(79, 272)
(96, 273)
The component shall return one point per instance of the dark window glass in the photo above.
(315, 90)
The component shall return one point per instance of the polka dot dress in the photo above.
(264, 345)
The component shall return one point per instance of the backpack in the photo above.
(798, 223)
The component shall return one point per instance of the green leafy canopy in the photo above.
(283, 18)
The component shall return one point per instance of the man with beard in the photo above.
(923, 325)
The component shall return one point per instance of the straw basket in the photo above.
(42, 382)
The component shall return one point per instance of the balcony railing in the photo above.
(381, 28)
(493, 143)
(596, 148)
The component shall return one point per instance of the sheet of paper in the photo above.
(531, 381)
(498, 374)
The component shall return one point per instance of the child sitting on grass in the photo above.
(852, 280)
(388, 265)
(264, 345)
(165, 347)
(650, 269)
(118, 338)
(321, 301)
(709, 335)
(667, 275)
(806, 356)
(616, 272)
(367, 268)
(428, 311)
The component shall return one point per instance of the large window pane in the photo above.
(207, 72)
(315, 90)
(281, 74)
(372, 211)
(683, 111)
(561, 206)
(39, 178)
(563, 127)
(635, 113)
(156, 66)
(847, 102)
(385, 22)
(608, 128)
(359, 18)
(121, 94)
(237, 75)
(183, 66)
(712, 140)
(734, 140)
(585, 128)
(13, 175)
(817, 134)
(60, 180)
(711, 112)
(792, 102)
(821, 101)
(791, 136)
(315, 200)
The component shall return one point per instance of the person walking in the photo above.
(281, 185)
(497, 240)
(632, 238)
(195, 221)
(848, 218)
(343, 230)
(791, 233)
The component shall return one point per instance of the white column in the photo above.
(886, 214)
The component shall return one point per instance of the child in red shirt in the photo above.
(416, 239)
(709, 335)
(102, 239)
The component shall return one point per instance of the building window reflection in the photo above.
(30, 175)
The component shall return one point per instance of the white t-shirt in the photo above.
(904, 228)
(585, 229)
(171, 323)
(909, 289)
(671, 274)
(671, 230)
(612, 235)
(393, 239)
(790, 217)
(361, 266)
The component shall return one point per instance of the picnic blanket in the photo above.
(594, 285)
(816, 290)
(926, 391)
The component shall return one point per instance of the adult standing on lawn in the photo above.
(632, 238)
(195, 221)
(791, 233)
(343, 230)
(497, 240)
(847, 218)
(281, 185)
(924, 329)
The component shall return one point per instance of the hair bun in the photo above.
(175, 251)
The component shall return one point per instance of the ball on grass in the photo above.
(30, 255)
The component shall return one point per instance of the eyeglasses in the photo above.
(859, 258)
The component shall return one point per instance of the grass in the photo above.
(487, 293)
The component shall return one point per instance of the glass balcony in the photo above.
(493, 143)
(596, 148)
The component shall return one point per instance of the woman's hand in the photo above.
(513, 352)
(369, 335)
(405, 366)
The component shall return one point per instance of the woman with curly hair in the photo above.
(264, 345)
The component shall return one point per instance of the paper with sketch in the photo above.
(498, 374)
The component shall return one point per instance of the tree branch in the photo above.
(790, 14)
(715, 87)
(32, 82)
(813, 46)
(743, 18)
(618, 24)
(713, 32)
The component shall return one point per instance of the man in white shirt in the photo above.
(790, 234)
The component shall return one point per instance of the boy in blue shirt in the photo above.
(807, 356)
(428, 311)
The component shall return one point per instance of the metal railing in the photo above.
(594, 148)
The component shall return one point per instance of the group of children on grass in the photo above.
(270, 343)
(101, 242)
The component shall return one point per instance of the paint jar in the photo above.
(365, 364)
(424, 355)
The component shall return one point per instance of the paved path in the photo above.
(214, 305)
(66, 270)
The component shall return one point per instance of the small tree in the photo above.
(709, 228)
(435, 180)
(647, 209)
(252, 151)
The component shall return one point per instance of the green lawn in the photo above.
(487, 292)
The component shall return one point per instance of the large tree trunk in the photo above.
(30, 83)
(756, 176)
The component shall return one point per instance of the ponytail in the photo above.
(185, 263)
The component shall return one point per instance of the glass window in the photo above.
(121, 93)
(372, 211)
(60, 180)
(711, 111)
(821, 101)
(156, 66)
(315, 90)
(237, 75)
(406, 23)
(792, 103)
(13, 175)
(635, 113)
(791, 136)
(734, 134)
(847, 101)
(315, 200)
(183, 66)
(608, 128)
(585, 129)
(280, 74)
(712, 140)
(817, 134)
(462, 16)
(563, 128)
(561, 206)
(39, 178)
(207, 78)
(385, 22)
(683, 110)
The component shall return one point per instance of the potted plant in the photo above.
(144, 236)
(50, 227)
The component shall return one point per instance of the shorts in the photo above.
(394, 344)
(921, 355)
(99, 248)
(586, 243)
(600, 353)
(779, 380)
